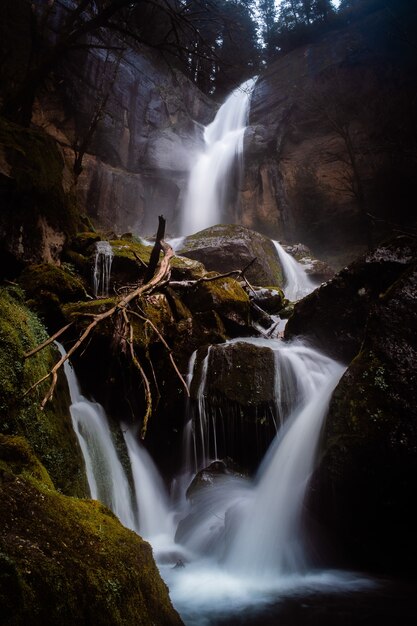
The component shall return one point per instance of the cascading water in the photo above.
(154, 515)
(147, 511)
(240, 538)
(297, 282)
(209, 183)
(106, 478)
(102, 268)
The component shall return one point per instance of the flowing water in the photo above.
(102, 268)
(297, 282)
(209, 187)
(234, 553)
(240, 539)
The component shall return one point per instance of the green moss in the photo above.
(127, 249)
(37, 169)
(66, 561)
(49, 432)
(84, 243)
(186, 269)
(47, 288)
(225, 296)
(46, 277)
(17, 456)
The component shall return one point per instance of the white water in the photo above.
(209, 183)
(106, 478)
(153, 511)
(242, 539)
(297, 282)
(102, 268)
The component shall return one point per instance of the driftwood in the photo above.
(122, 312)
(156, 277)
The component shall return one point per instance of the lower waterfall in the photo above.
(240, 541)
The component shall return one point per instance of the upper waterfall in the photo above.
(208, 192)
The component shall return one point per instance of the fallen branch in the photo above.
(119, 308)
(188, 284)
(43, 345)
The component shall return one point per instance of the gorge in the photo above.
(215, 425)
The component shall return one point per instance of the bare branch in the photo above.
(43, 345)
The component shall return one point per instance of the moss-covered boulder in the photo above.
(48, 287)
(66, 561)
(238, 396)
(224, 296)
(334, 316)
(50, 431)
(363, 489)
(225, 248)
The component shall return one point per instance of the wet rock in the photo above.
(239, 399)
(50, 543)
(225, 248)
(334, 316)
(368, 470)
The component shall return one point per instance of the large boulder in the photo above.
(362, 491)
(237, 395)
(334, 316)
(224, 248)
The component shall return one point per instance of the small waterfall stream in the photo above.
(102, 268)
(297, 282)
(209, 183)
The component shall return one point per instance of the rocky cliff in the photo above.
(331, 138)
(140, 123)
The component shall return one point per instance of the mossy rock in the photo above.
(48, 287)
(84, 243)
(126, 269)
(225, 296)
(186, 269)
(335, 315)
(66, 561)
(225, 248)
(239, 399)
(50, 431)
(369, 459)
(17, 456)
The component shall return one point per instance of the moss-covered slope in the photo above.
(49, 432)
(67, 561)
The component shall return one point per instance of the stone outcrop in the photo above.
(334, 316)
(239, 399)
(66, 561)
(362, 489)
(224, 248)
(136, 164)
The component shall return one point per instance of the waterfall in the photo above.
(209, 183)
(106, 478)
(259, 528)
(102, 268)
(268, 538)
(151, 497)
(148, 511)
(297, 282)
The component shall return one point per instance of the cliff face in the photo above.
(331, 137)
(140, 123)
